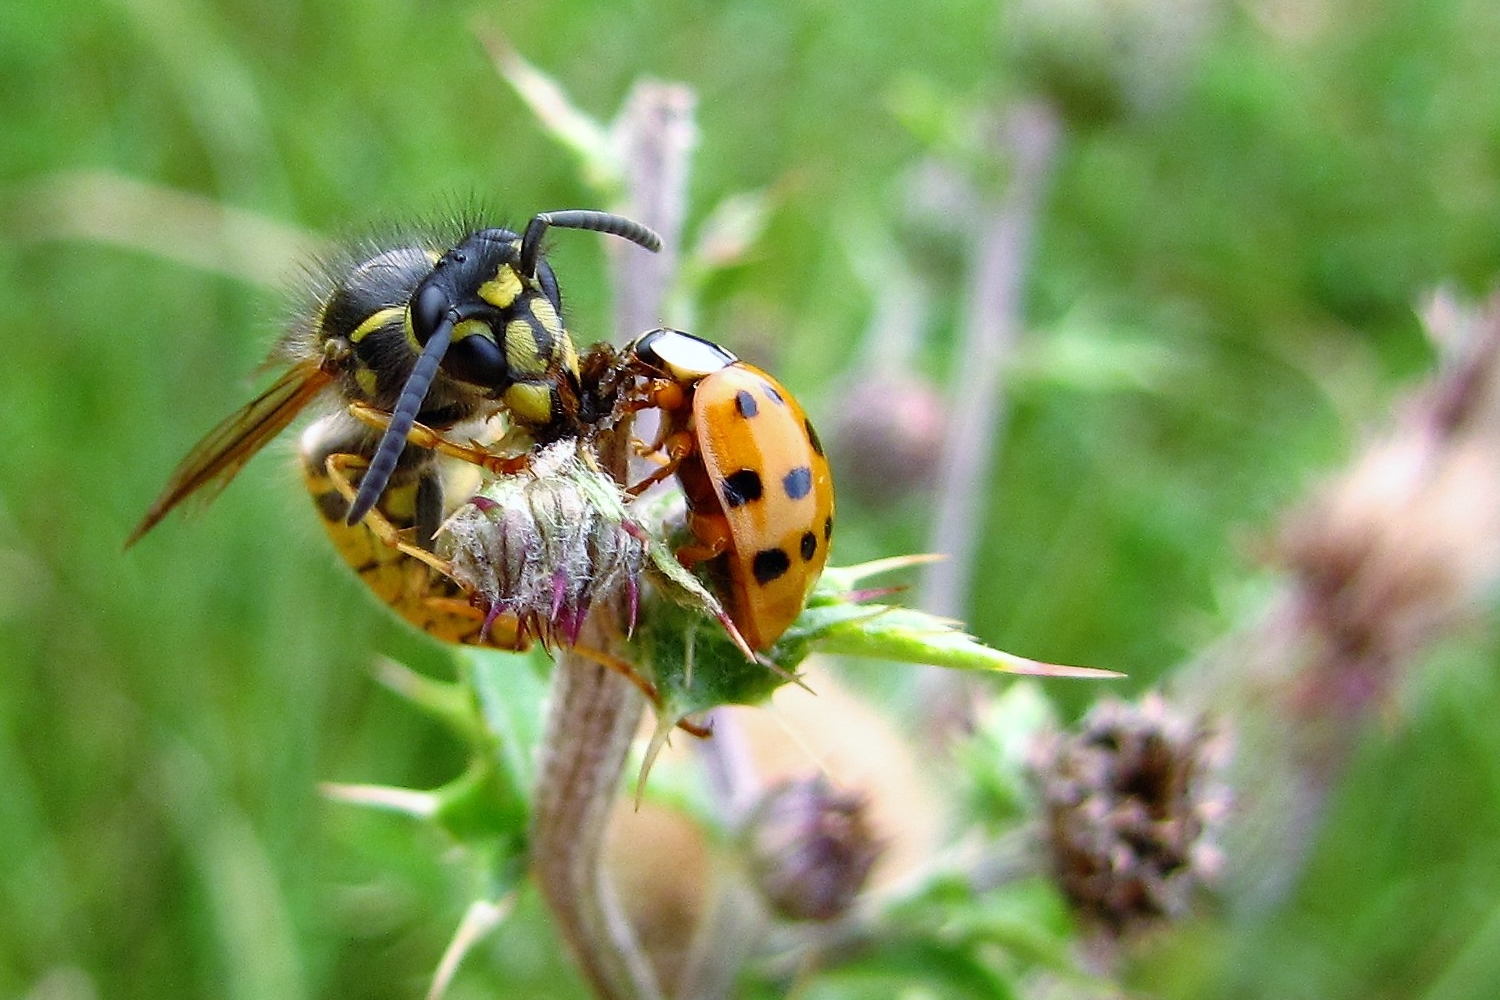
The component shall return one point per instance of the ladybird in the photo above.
(759, 492)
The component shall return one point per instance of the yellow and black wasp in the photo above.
(445, 337)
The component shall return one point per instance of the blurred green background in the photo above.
(1246, 203)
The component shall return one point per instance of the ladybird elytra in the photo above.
(776, 493)
(758, 488)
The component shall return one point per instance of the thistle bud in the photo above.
(1131, 801)
(545, 544)
(810, 849)
(888, 435)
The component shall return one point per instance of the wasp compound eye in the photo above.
(428, 307)
(476, 358)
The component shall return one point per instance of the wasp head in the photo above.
(488, 316)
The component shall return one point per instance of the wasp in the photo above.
(433, 338)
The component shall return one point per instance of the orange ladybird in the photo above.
(759, 492)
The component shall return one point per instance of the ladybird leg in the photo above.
(637, 404)
(670, 400)
(656, 448)
(338, 465)
(711, 538)
(663, 431)
(662, 473)
(713, 608)
(678, 446)
(423, 436)
(655, 393)
(664, 396)
(649, 452)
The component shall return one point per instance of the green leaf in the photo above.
(450, 703)
(512, 692)
(481, 805)
(578, 132)
(891, 633)
(895, 965)
(696, 666)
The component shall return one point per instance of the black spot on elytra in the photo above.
(798, 482)
(769, 564)
(812, 437)
(741, 487)
(772, 394)
(809, 546)
(828, 528)
(745, 403)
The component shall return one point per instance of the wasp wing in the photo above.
(216, 459)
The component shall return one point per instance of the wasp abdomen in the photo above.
(427, 599)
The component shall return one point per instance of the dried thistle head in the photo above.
(1405, 545)
(811, 848)
(1131, 801)
(1390, 556)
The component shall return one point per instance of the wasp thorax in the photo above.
(546, 545)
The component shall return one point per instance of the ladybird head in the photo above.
(679, 356)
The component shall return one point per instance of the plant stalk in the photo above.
(596, 712)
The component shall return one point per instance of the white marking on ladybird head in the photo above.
(682, 356)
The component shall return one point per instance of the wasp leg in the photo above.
(693, 729)
(429, 512)
(338, 465)
(423, 436)
(667, 398)
(622, 667)
(502, 631)
(663, 394)
(650, 452)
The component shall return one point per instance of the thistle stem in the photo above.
(1029, 139)
(657, 134)
(594, 717)
(992, 326)
(596, 712)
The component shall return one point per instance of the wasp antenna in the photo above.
(393, 442)
(599, 222)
